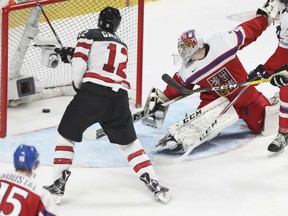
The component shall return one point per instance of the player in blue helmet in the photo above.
(26, 158)
(27, 197)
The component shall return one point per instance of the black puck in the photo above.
(46, 110)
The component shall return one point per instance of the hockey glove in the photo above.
(257, 74)
(270, 10)
(157, 111)
(280, 77)
(66, 53)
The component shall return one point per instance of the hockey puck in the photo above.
(46, 110)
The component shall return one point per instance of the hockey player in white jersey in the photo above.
(100, 80)
(214, 62)
(274, 66)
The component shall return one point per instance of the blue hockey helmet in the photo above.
(109, 19)
(25, 157)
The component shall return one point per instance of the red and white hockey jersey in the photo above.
(20, 196)
(100, 57)
(277, 60)
(221, 65)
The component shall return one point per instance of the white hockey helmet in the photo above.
(188, 43)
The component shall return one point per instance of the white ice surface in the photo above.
(229, 176)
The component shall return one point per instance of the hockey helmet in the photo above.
(26, 158)
(188, 43)
(109, 19)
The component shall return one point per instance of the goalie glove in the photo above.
(280, 77)
(257, 74)
(270, 10)
(157, 111)
(66, 53)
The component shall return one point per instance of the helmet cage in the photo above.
(188, 43)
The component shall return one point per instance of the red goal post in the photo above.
(29, 69)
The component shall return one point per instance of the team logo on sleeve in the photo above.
(223, 77)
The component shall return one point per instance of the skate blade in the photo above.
(163, 197)
(275, 154)
(57, 199)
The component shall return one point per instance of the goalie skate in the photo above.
(160, 192)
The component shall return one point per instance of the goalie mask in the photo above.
(109, 19)
(188, 43)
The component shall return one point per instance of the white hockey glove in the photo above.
(280, 77)
(270, 10)
(157, 111)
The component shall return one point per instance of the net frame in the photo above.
(5, 75)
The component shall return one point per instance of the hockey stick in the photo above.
(175, 160)
(49, 23)
(138, 115)
(170, 81)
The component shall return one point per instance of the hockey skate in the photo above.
(57, 189)
(278, 144)
(160, 192)
(168, 144)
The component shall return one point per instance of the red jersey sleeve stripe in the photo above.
(80, 55)
(84, 45)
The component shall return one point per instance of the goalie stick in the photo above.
(175, 160)
(143, 113)
(170, 81)
(138, 115)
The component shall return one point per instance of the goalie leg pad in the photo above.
(271, 120)
(201, 125)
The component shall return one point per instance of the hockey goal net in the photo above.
(25, 72)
